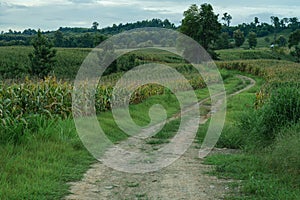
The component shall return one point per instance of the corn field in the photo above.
(277, 73)
(52, 98)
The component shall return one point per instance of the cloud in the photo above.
(36, 3)
(50, 15)
(82, 1)
(10, 5)
(242, 14)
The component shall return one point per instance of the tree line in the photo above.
(203, 25)
(58, 38)
(78, 37)
(229, 36)
(199, 22)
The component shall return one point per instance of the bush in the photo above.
(231, 137)
(285, 151)
(282, 109)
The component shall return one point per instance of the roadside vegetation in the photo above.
(41, 151)
(45, 152)
(54, 135)
(264, 123)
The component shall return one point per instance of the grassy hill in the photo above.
(263, 43)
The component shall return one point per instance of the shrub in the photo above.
(282, 109)
(231, 137)
(284, 155)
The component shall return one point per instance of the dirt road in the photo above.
(186, 178)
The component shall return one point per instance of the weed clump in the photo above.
(281, 109)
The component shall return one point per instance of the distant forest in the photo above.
(91, 37)
(78, 37)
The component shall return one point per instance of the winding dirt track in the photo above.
(186, 178)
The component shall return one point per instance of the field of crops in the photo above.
(14, 62)
(22, 103)
(27, 104)
(52, 97)
(278, 70)
(251, 54)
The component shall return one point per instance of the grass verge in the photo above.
(271, 172)
(41, 165)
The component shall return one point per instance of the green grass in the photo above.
(231, 136)
(43, 162)
(170, 129)
(284, 153)
(40, 166)
(14, 61)
(254, 54)
(139, 114)
(133, 184)
(259, 181)
(266, 173)
(261, 178)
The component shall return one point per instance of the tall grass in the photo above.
(265, 124)
(269, 166)
(285, 151)
(42, 162)
(281, 109)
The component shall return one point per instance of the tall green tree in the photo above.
(239, 38)
(95, 26)
(294, 23)
(294, 38)
(191, 22)
(58, 38)
(296, 53)
(42, 57)
(256, 21)
(252, 40)
(223, 42)
(283, 22)
(276, 23)
(227, 19)
(281, 41)
(202, 25)
(294, 41)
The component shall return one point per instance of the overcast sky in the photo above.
(52, 14)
